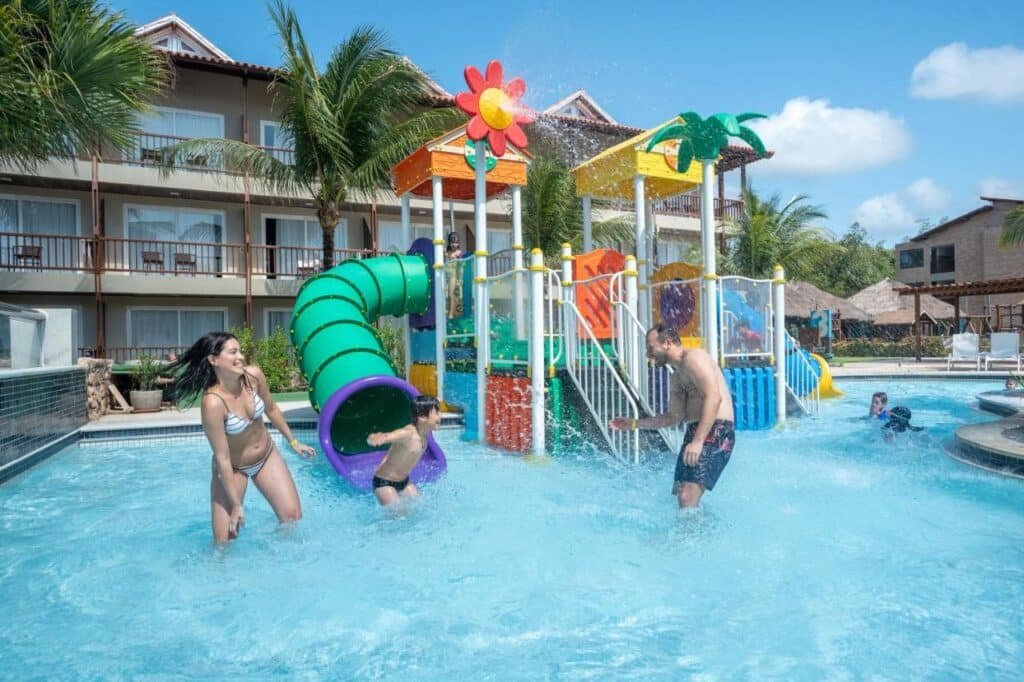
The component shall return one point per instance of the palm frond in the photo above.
(1013, 228)
(234, 156)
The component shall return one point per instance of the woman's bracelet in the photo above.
(294, 442)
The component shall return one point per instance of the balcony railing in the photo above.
(149, 256)
(150, 149)
(39, 252)
(296, 262)
(133, 353)
(682, 205)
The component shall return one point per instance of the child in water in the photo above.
(391, 481)
(879, 406)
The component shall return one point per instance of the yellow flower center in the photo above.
(496, 108)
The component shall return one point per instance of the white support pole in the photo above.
(641, 247)
(568, 320)
(536, 351)
(517, 260)
(630, 341)
(651, 233)
(406, 329)
(588, 226)
(480, 303)
(779, 339)
(707, 243)
(440, 300)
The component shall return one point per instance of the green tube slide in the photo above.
(337, 344)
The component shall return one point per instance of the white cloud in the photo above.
(928, 196)
(890, 216)
(1001, 188)
(954, 71)
(811, 137)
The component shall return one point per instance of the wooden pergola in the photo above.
(955, 291)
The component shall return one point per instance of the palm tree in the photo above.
(350, 124)
(553, 213)
(75, 78)
(702, 140)
(1013, 228)
(771, 232)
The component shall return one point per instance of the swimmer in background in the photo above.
(391, 480)
(879, 406)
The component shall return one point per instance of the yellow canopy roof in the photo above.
(610, 174)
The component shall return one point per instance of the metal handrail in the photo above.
(600, 385)
(799, 372)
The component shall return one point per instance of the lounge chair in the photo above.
(1005, 348)
(964, 349)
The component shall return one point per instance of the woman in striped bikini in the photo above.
(235, 398)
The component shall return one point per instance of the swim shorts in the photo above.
(713, 456)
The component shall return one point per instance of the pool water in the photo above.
(823, 552)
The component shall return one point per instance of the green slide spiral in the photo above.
(332, 331)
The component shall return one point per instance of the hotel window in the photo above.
(172, 239)
(38, 216)
(163, 126)
(281, 143)
(911, 258)
(943, 259)
(277, 317)
(390, 236)
(168, 328)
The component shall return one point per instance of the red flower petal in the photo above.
(469, 102)
(477, 128)
(496, 138)
(494, 74)
(516, 136)
(515, 88)
(474, 80)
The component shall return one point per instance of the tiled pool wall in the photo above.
(38, 406)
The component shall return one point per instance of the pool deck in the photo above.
(928, 368)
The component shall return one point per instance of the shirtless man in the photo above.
(391, 481)
(699, 396)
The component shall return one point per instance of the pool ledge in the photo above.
(996, 446)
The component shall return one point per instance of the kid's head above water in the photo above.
(879, 404)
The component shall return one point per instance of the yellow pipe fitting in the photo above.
(479, 253)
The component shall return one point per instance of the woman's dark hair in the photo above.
(453, 239)
(192, 370)
(422, 406)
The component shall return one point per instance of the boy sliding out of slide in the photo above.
(391, 481)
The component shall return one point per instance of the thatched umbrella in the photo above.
(802, 298)
(883, 298)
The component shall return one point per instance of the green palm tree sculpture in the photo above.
(702, 140)
(73, 79)
(1013, 228)
(349, 124)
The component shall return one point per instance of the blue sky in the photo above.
(885, 113)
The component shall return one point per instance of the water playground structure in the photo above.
(538, 357)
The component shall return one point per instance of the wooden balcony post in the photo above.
(247, 249)
(98, 256)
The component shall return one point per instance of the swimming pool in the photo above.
(823, 552)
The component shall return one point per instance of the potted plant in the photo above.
(146, 394)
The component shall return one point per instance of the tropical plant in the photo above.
(145, 373)
(1013, 228)
(74, 79)
(771, 232)
(701, 139)
(349, 124)
(853, 264)
(553, 213)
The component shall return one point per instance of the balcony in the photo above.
(296, 262)
(49, 252)
(687, 205)
(150, 150)
(20, 252)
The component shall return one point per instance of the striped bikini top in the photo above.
(233, 424)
